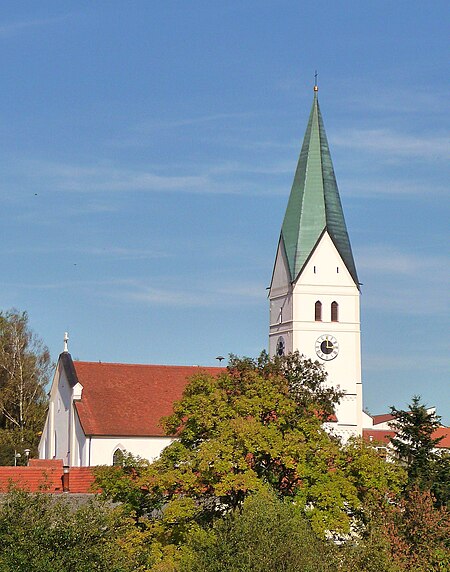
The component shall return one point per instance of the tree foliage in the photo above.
(255, 428)
(39, 533)
(440, 487)
(418, 533)
(414, 443)
(267, 534)
(25, 368)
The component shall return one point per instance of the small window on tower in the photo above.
(334, 312)
(337, 269)
(318, 311)
(314, 269)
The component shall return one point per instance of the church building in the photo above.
(98, 410)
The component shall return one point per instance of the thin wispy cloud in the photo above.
(391, 144)
(208, 294)
(73, 211)
(385, 188)
(385, 259)
(390, 99)
(236, 167)
(121, 253)
(411, 362)
(190, 121)
(289, 148)
(118, 253)
(221, 130)
(204, 294)
(222, 178)
(397, 300)
(13, 28)
(404, 282)
(88, 286)
(99, 178)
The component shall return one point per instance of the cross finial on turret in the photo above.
(66, 340)
(316, 87)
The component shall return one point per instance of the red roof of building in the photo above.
(47, 476)
(445, 433)
(382, 418)
(382, 436)
(130, 399)
(378, 435)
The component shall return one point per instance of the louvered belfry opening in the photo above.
(334, 312)
(318, 311)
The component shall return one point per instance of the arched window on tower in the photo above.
(318, 311)
(334, 312)
(118, 457)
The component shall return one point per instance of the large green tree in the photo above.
(25, 368)
(258, 425)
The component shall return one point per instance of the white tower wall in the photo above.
(326, 279)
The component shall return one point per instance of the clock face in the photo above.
(280, 346)
(327, 347)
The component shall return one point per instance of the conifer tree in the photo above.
(414, 442)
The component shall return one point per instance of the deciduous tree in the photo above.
(418, 533)
(267, 534)
(39, 533)
(252, 427)
(24, 372)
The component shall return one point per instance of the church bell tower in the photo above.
(314, 293)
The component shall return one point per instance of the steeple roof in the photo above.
(314, 203)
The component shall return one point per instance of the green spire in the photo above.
(314, 204)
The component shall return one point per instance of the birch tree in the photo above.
(25, 368)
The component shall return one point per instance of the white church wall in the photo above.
(100, 450)
(281, 278)
(325, 266)
(54, 442)
(62, 405)
(79, 452)
(385, 426)
(280, 315)
(367, 420)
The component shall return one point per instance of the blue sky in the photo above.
(147, 151)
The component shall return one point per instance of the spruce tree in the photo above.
(414, 442)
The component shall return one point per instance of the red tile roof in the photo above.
(382, 418)
(383, 436)
(378, 435)
(46, 476)
(130, 399)
(445, 433)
